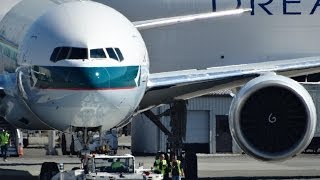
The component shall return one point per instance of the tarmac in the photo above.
(219, 166)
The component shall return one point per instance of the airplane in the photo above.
(69, 64)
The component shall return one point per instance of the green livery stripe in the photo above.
(86, 78)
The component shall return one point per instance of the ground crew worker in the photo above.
(156, 165)
(160, 165)
(4, 142)
(176, 169)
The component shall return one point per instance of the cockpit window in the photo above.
(119, 54)
(111, 53)
(78, 53)
(115, 53)
(97, 53)
(60, 53)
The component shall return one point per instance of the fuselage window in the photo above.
(97, 53)
(119, 54)
(61, 53)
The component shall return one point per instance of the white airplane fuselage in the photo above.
(62, 79)
(51, 92)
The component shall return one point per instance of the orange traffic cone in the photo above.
(20, 150)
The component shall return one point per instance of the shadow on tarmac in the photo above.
(258, 178)
(16, 175)
(25, 175)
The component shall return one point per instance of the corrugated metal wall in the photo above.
(144, 130)
(314, 91)
(144, 136)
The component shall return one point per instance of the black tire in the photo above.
(63, 144)
(191, 165)
(25, 142)
(48, 170)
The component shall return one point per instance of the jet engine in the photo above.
(272, 118)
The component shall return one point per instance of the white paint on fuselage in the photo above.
(75, 25)
(64, 108)
(6, 5)
(81, 24)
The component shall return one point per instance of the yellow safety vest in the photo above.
(4, 138)
(164, 166)
(157, 163)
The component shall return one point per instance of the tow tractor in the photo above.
(100, 166)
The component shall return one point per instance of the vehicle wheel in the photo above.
(48, 170)
(191, 165)
(25, 142)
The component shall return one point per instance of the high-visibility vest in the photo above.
(156, 164)
(4, 138)
(164, 167)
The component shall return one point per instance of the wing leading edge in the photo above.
(166, 87)
(155, 23)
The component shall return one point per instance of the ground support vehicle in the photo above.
(102, 167)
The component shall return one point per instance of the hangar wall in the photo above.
(201, 127)
(314, 91)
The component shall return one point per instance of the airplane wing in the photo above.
(154, 23)
(166, 87)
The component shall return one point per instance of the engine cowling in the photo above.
(272, 118)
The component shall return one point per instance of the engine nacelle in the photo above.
(272, 118)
